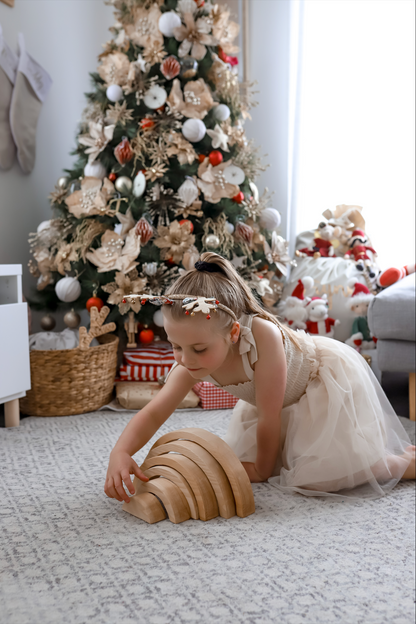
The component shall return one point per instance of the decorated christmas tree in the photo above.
(164, 170)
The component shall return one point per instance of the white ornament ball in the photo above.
(167, 22)
(150, 268)
(95, 170)
(158, 318)
(270, 219)
(229, 227)
(212, 241)
(194, 130)
(114, 93)
(43, 226)
(234, 175)
(155, 97)
(221, 112)
(68, 289)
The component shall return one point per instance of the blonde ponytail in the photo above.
(226, 285)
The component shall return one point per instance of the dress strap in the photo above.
(247, 368)
(247, 344)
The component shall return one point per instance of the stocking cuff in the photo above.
(39, 79)
(8, 59)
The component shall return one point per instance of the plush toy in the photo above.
(293, 308)
(358, 249)
(392, 275)
(322, 246)
(359, 301)
(319, 323)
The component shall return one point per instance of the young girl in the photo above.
(312, 417)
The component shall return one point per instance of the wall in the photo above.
(65, 37)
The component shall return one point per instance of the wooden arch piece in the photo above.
(198, 481)
(209, 466)
(171, 496)
(177, 479)
(237, 476)
(146, 507)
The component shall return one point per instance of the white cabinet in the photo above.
(14, 342)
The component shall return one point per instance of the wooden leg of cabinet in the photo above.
(12, 413)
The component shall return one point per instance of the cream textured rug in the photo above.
(70, 555)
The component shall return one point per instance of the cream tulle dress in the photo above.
(338, 428)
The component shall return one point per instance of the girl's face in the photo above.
(197, 345)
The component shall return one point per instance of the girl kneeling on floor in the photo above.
(312, 418)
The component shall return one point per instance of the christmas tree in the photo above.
(164, 170)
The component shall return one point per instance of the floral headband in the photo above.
(191, 303)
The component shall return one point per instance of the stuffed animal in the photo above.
(361, 337)
(293, 308)
(319, 322)
(358, 248)
(322, 246)
(392, 275)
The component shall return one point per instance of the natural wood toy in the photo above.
(97, 327)
(193, 474)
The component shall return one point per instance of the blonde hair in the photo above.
(225, 285)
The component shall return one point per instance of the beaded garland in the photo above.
(190, 303)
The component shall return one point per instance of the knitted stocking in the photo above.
(30, 90)
(8, 67)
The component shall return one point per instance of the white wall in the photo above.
(268, 53)
(65, 37)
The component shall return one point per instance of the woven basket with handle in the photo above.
(74, 381)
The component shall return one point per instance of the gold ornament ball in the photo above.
(124, 185)
(212, 241)
(47, 322)
(63, 182)
(72, 319)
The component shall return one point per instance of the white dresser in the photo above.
(14, 343)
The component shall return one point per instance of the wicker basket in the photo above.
(74, 381)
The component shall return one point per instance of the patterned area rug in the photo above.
(70, 555)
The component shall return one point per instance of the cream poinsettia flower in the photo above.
(114, 253)
(194, 36)
(65, 255)
(92, 199)
(123, 285)
(195, 101)
(144, 31)
(181, 148)
(174, 240)
(114, 69)
(213, 183)
(223, 30)
(98, 138)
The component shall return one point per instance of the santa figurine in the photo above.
(293, 310)
(319, 322)
(357, 247)
(359, 301)
(322, 246)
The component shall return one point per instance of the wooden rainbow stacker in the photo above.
(193, 474)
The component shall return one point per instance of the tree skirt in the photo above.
(70, 555)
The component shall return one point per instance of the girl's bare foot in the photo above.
(410, 472)
(394, 465)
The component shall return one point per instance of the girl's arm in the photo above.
(140, 429)
(270, 379)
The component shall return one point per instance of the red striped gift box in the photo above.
(147, 362)
(212, 397)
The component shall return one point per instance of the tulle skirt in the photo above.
(341, 439)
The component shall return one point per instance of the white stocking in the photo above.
(8, 68)
(30, 90)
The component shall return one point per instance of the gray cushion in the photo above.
(391, 314)
(396, 355)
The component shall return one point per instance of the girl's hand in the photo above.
(253, 475)
(120, 467)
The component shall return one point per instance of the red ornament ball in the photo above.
(146, 336)
(215, 158)
(191, 225)
(238, 198)
(201, 157)
(94, 302)
(112, 177)
(147, 124)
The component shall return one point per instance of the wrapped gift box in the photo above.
(212, 397)
(147, 362)
(135, 395)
